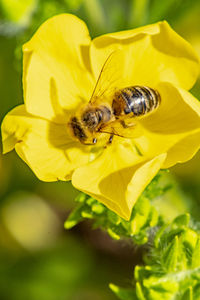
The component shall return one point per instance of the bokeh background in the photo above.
(38, 258)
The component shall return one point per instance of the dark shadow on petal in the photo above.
(61, 112)
(113, 180)
(85, 54)
(58, 137)
(58, 133)
(62, 115)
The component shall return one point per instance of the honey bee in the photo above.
(110, 117)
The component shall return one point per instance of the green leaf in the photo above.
(172, 263)
(98, 208)
(182, 220)
(113, 234)
(74, 218)
(123, 294)
(144, 215)
(189, 238)
(139, 292)
(196, 255)
(81, 198)
(172, 269)
(170, 257)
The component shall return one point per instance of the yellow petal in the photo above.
(168, 129)
(154, 53)
(178, 112)
(43, 145)
(56, 68)
(183, 151)
(117, 177)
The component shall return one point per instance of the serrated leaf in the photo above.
(189, 238)
(142, 272)
(138, 222)
(182, 220)
(158, 236)
(143, 206)
(81, 198)
(140, 215)
(86, 215)
(170, 256)
(74, 218)
(169, 235)
(168, 275)
(196, 255)
(140, 239)
(98, 208)
(113, 234)
(159, 294)
(153, 217)
(113, 218)
(143, 217)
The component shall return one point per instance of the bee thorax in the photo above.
(90, 119)
(93, 117)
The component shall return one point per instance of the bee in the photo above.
(135, 100)
(110, 117)
(90, 122)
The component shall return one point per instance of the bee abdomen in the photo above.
(138, 100)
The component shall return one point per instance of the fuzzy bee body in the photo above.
(89, 123)
(135, 100)
(112, 111)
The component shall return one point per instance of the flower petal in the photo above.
(183, 151)
(172, 126)
(154, 53)
(44, 146)
(117, 177)
(56, 68)
(179, 112)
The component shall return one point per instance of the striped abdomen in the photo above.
(138, 100)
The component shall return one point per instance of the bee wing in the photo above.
(109, 78)
(124, 128)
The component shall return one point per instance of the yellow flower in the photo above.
(60, 69)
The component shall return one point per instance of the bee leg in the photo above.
(109, 141)
(110, 138)
(123, 124)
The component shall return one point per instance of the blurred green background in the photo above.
(38, 258)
